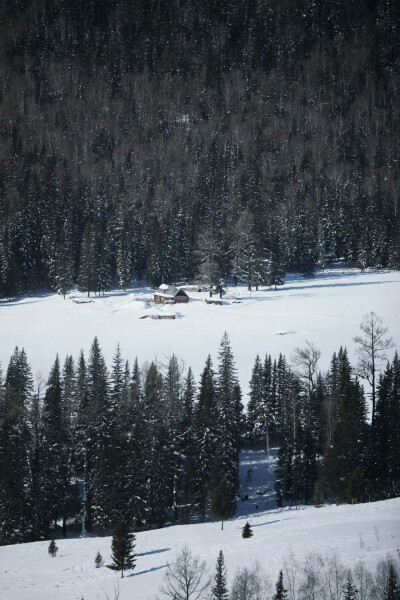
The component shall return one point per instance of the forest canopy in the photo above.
(134, 136)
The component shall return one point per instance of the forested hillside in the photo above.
(174, 140)
(150, 446)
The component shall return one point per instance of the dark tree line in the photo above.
(171, 141)
(147, 446)
(327, 448)
(136, 446)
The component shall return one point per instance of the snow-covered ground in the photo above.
(365, 532)
(325, 310)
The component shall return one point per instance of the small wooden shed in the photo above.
(170, 295)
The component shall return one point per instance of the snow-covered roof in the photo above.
(164, 286)
(169, 291)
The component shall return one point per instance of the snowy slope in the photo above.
(364, 532)
(326, 310)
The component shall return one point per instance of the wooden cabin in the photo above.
(170, 295)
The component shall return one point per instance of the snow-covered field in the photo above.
(325, 310)
(365, 532)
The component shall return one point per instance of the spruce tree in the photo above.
(124, 258)
(219, 590)
(186, 427)
(276, 274)
(392, 587)
(55, 446)
(205, 439)
(64, 275)
(103, 446)
(384, 467)
(223, 505)
(53, 548)
(88, 260)
(281, 593)
(349, 590)
(348, 443)
(117, 376)
(15, 443)
(229, 416)
(160, 460)
(255, 408)
(122, 550)
(247, 531)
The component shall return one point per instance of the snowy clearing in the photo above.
(325, 310)
(365, 532)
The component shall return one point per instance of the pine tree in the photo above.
(247, 261)
(124, 252)
(186, 427)
(88, 260)
(288, 484)
(135, 390)
(38, 499)
(281, 592)
(247, 531)
(103, 253)
(117, 376)
(53, 548)
(64, 267)
(392, 587)
(55, 446)
(223, 505)
(219, 590)
(160, 459)
(15, 441)
(276, 269)
(255, 406)
(208, 254)
(122, 550)
(349, 590)
(347, 449)
(154, 267)
(104, 445)
(205, 438)
(134, 470)
(229, 416)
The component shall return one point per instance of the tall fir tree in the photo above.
(122, 550)
(349, 590)
(15, 441)
(55, 446)
(229, 417)
(281, 592)
(220, 590)
(205, 439)
(348, 444)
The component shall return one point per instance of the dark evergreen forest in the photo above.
(148, 446)
(179, 140)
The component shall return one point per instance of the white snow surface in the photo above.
(325, 310)
(363, 532)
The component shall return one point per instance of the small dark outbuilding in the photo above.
(170, 295)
